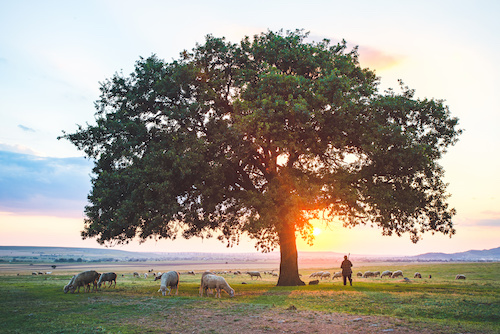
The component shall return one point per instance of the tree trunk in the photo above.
(289, 268)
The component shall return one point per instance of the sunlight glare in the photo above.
(316, 231)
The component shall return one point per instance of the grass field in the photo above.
(37, 304)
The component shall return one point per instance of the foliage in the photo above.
(260, 137)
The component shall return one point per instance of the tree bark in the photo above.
(289, 268)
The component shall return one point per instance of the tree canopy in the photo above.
(259, 137)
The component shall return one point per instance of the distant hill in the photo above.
(39, 254)
(471, 255)
(47, 254)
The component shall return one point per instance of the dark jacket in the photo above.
(346, 267)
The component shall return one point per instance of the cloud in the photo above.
(376, 59)
(488, 222)
(370, 57)
(31, 184)
(17, 149)
(25, 128)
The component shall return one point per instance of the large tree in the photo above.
(260, 137)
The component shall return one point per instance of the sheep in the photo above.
(326, 274)
(146, 275)
(338, 275)
(460, 276)
(107, 277)
(417, 275)
(376, 273)
(386, 273)
(218, 283)
(82, 279)
(315, 282)
(397, 273)
(169, 280)
(254, 273)
(136, 274)
(359, 274)
(368, 274)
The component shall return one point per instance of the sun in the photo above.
(316, 231)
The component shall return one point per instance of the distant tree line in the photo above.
(62, 259)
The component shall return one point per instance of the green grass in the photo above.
(37, 304)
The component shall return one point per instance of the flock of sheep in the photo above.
(209, 281)
(169, 280)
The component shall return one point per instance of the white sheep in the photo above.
(417, 275)
(169, 280)
(386, 273)
(368, 274)
(316, 274)
(338, 274)
(107, 277)
(460, 276)
(254, 274)
(209, 281)
(397, 273)
(146, 275)
(376, 273)
(326, 274)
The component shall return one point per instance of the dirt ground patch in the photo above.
(276, 320)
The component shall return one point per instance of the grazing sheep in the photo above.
(169, 280)
(338, 275)
(316, 274)
(136, 274)
(326, 274)
(359, 274)
(376, 273)
(254, 273)
(82, 279)
(107, 277)
(386, 273)
(417, 275)
(315, 282)
(460, 276)
(146, 275)
(218, 283)
(397, 273)
(368, 274)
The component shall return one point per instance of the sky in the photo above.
(54, 54)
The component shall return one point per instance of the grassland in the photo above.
(441, 304)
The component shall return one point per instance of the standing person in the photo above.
(346, 270)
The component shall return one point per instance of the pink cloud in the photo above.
(376, 59)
